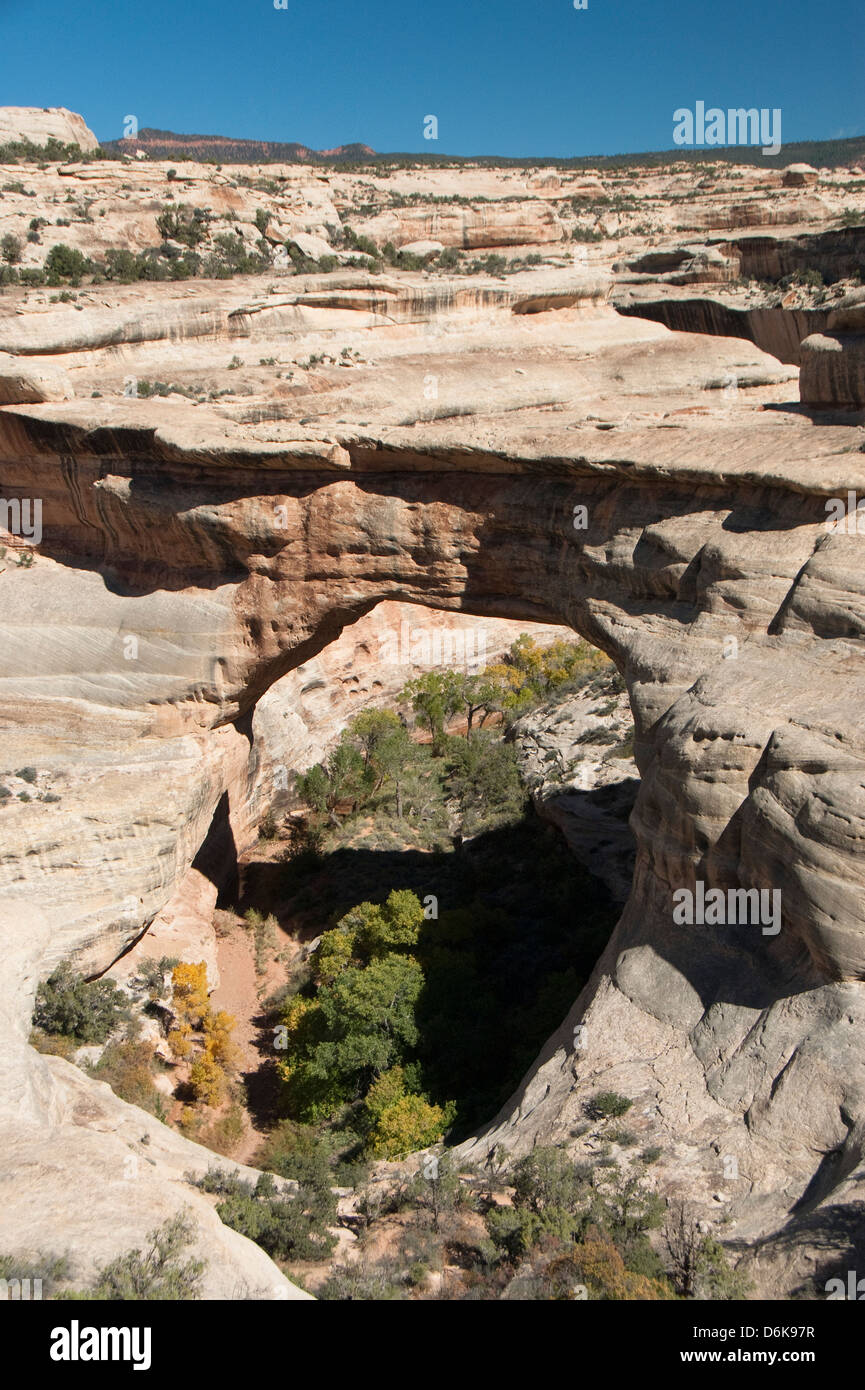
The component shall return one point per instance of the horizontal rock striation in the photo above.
(312, 448)
(775, 330)
(833, 363)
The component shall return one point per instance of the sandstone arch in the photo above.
(752, 767)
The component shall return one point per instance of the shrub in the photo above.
(606, 1105)
(363, 1283)
(225, 1135)
(598, 1265)
(716, 1278)
(127, 1067)
(361, 243)
(485, 775)
(217, 1033)
(265, 936)
(189, 991)
(10, 249)
(152, 972)
(400, 1123)
(287, 1226)
(122, 265)
(207, 1078)
(50, 1269)
(85, 1010)
(436, 1190)
(548, 1178)
(157, 1273)
(65, 263)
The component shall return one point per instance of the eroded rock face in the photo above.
(23, 384)
(299, 719)
(575, 759)
(39, 124)
(495, 448)
(833, 370)
(833, 363)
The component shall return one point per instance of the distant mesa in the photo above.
(39, 124)
(166, 144)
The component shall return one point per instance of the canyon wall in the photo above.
(749, 776)
(231, 474)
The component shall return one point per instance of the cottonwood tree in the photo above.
(435, 698)
(342, 778)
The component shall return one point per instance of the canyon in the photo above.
(324, 445)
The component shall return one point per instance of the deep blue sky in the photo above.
(511, 77)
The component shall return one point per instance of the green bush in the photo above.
(85, 1010)
(605, 1105)
(485, 775)
(65, 263)
(128, 1068)
(156, 1274)
(287, 1226)
(547, 1178)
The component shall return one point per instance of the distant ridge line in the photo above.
(167, 144)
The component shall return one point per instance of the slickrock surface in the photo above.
(575, 759)
(39, 124)
(329, 442)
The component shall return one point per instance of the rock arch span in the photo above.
(706, 571)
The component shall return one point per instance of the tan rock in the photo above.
(25, 383)
(799, 176)
(201, 551)
(39, 124)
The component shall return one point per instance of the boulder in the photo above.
(423, 248)
(833, 370)
(313, 247)
(39, 124)
(29, 384)
(798, 176)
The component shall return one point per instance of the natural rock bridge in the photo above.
(706, 570)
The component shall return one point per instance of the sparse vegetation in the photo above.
(157, 1273)
(83, 1010)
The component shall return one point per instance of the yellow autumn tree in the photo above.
(189, 992)
(401, 1122)
(180, 1040)
(598, 1265)
(218, 1028)
(207, 1078)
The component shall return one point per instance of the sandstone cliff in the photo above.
(39, 124)
(419, 440)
